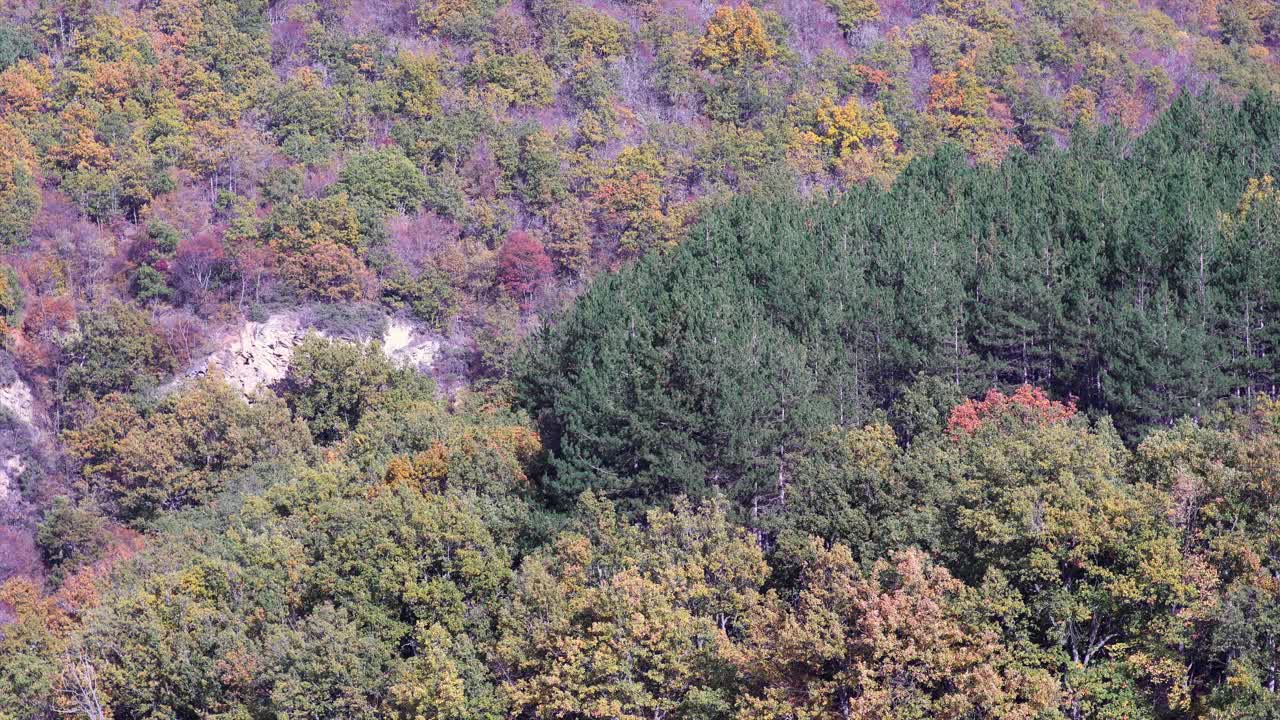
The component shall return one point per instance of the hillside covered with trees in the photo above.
(1140, 277)
(473, 162)
(789, 360)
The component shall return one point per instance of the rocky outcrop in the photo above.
(259, 355)
(17, 399)
(11, 468)
(407, 344)
(20, 428)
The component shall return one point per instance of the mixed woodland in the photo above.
(820, 359)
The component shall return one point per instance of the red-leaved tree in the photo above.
(1027, 404)
(523, 266)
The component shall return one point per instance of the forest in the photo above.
(640, 360)
(1137, 277)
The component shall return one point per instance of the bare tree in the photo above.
(80, 694)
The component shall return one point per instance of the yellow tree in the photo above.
(966, 111)
(900, 642)
(25, 86)
(860, 142)
(616, 621)
(735, 37)
(633, 202)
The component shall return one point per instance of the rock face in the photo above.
(16, 398)
(259, 356)
(11, 469)
(407, 344)
(19, 429)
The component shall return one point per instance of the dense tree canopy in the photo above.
(1017, 561)
(796, 360)
(357, 151)
(1116, 272)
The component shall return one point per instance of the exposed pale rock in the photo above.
(19, 402)
(407, 344)
(17, 399)
(11, 468)
(259, 355)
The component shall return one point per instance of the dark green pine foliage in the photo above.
(1013, 311)
(1119, 272)
(1244, 273)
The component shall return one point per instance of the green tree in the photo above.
(853, 14)
(181, 452)
(305, 116)
(12, 297)
(16, 44)
(117, 350)
(315, 597)
(333, 384)
(1218, 489)
(19, 191)
(383, 181)
(69, 537)
(1040, 500)
(629, 622)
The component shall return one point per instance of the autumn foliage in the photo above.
(523, 266)
(736, 481)
(1028, 404)
(735, 37)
